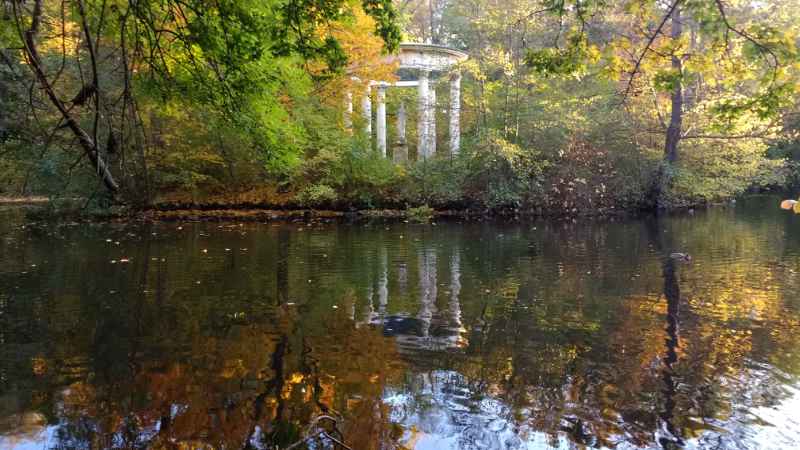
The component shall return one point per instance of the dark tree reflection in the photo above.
(449, 336)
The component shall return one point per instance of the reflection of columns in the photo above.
(455, 113)
(423, 149)
(366, 110)
(400, 150)
(348, 111)
(432, 120)
(454, 305)
(380, 120)
(369, 309)
(383, 283)
(427, 287)
(455, 288)
(402, 279)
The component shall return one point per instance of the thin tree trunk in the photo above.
(87, 143)
(661, 180)
(676, 116)
(430, 22)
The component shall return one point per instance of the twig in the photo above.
(650, 41)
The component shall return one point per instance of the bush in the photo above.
(317, 195)
(422, 213)
(589, 179)
(437, 181)
(711, 172)
(354, 173)
(501, 174)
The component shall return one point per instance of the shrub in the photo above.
(438, 181)
(422, 213)
(357, 175)
(502, 174)
(711, 172)
(317, 195)
(585, 178)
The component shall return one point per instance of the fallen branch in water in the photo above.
(24, 200)
(311, 433)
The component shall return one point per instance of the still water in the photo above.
(491, 335)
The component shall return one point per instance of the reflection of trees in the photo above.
(282, 267)
(672, 294)
(161, 363)
(591, 350)
(562, 332)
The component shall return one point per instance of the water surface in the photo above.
(483, 335)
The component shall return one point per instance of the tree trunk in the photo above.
(676, 117)
(87, 143)
(661, 180)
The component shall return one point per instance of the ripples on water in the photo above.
(477, 335)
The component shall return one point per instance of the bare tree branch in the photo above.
(646, 49)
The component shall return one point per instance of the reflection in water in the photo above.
(545, 335)
(673, 295)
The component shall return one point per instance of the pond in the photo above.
(490, 335)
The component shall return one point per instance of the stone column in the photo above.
(432, 120)
(455, 113)
(400, 149)
(366, 111)
(380, 120)
(423, 147)
(348, 111)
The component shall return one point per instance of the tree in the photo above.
(224, 55)
(740, 62)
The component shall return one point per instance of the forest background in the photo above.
(568, 106)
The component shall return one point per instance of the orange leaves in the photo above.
(366, 59)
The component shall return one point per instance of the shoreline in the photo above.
(172, 212)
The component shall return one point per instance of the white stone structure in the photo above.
(426, 60)
(366, 110)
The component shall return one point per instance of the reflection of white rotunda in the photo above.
(430, 329)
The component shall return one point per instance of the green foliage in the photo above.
(711, 172)
(318, 195)
(224, 97)
(764, 104)
(667, 80)
(357, 174)
(437, 181)
(501, 173)
(562, 61)
(423, 213)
